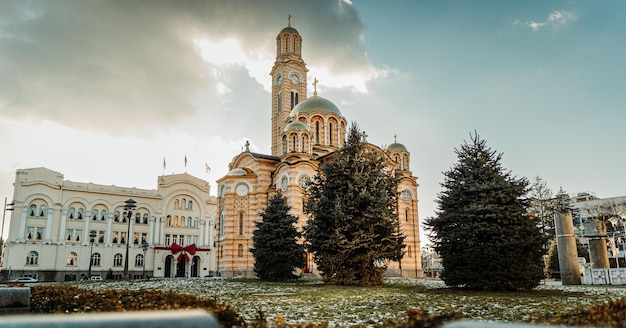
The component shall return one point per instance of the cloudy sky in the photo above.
(103, 91)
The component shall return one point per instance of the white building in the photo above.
(50, 227)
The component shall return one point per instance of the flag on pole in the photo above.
(185, 160)
(206, 167)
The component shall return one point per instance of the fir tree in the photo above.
(276, 251)
(353, 228)
(480, 229)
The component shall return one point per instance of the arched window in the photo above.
(72, 259)
(408, 251)
(189, 222)
(294, 146)
(94, 215)
(406, 215)
(317, 133)
(181, 221)
(116, 216)
(81, 213)
(118, 259)
(284, 144)
(279, 103)
(71, 215)
(330, 134)
(32, 210)
(103, 215)
(184, 205)
(32, 258)
(240, 250)
(240, 223)
(124, 216)
(195, 222)
(222, 221)
(137, 217)
(95, 259)
(176, 204)
(190, 205)
(139, 260)
(168, 221)
(294, 99)
(145, 218)
(42, 211)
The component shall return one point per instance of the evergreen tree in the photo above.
(276, 250)
(480, 229)
(353, 228)
(542, 205)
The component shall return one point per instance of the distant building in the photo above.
(431, 262)
(50, 227)
(612, 210)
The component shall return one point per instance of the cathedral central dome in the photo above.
(315, 104)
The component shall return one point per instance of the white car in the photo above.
(96, 278)
(24, 280)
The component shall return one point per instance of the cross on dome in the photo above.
(315, 81)
(289, 20)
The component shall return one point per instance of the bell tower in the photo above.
(288, 81)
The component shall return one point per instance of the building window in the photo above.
(95, 259)
(317, 133)
(139, 260)
(116, 237)
(181, 240)
(73, 235)
(279, 103)
(330, 134)
(32, 258)
(240, 223)
(189, 222)
(116, 216)
(103, 215)
(72, 213)
(72, 259)
(168, 221)
(222, 222)
(117, 259)
(42, 211)
(39, 234)
(408, 251)
(240, 250)
(30, 232)
(195, 222)
(294, 99)
(123, 237)
(94, 215)
(145, 218)
(31, 210)
(81, 214)
(167, 239)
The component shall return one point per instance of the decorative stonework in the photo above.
(241, 202)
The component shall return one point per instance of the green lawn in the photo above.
(311, 301)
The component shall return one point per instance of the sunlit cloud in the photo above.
(555, 21)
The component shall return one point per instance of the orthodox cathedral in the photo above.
(304, 132)
(62, 230)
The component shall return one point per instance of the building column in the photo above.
(47, 240)
(86, 237)
(20, 236)
(108, 234)
(62, 228)
(162, 231)
(151, 231)
(202, 234)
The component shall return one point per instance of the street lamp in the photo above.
(144, 246)
(7, 207)
(129, 205)
(93, 235)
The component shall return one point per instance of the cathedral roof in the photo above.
(396, 147)
(237, 171)
(296, 126)
(289, 29)
(315, 104)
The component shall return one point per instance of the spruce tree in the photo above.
(276, 251)
(480, 229)
(353, 228)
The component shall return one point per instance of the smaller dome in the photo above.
(296, 126)
(315, 104)
(237, 171)
(396, 147)
(289, 29)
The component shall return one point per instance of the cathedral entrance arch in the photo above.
(169, 261)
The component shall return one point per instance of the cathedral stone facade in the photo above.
(304, 132)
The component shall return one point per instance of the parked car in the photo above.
(96, 278)
(24, 280)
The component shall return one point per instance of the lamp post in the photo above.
(92, 235)
(7, 207)
(144, 246)
(129, 206)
